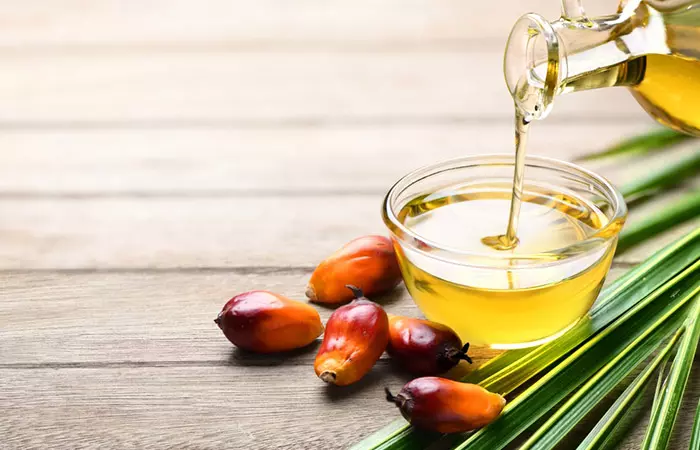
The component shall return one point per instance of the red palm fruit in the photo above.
(424, 347)
(368, 262)
(356, 336)
(265, 322)
(446, 406)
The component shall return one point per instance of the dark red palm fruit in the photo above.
(423, 347)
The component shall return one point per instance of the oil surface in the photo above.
(497, 306)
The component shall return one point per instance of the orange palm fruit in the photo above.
(368, 262)
(265, 322)
(424, 347)
(446, 406)
(356, 336)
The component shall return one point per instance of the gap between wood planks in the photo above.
(257, 46)
(320, 121)
(277, 86)
(181, 23)
(139, 319)
(240, 270)
(140, 326)
(479, 356)
(300, 357)
(204, 194)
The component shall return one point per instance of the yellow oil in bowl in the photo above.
(503, 298)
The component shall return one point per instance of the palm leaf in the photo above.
(653, 140)
(655, 407)
(660, 386)
(623, 294)
(602, 383)
(663, 177)
(695, 437)
(687, 208)
(512, 368)
(664, 418)
(574, 370)
(656, 316)
(599, 437)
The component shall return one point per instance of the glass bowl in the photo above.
(505, 299)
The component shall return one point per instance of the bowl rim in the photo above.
(417, 242)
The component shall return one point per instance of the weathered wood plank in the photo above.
(122, 318)
(254, 89)
(176, 233)
(304, 159)
(126, 233)
(132, 359)
(117, 233)
(236, 406)
(139, 317)
(181, 23)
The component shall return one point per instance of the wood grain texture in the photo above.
(160, 156)
(180, 232)
(233, 406)
(180, 205)
(133, 361)
(139, 318)
(215, 161)
(233, 232)
(272, 88)
(69, 24)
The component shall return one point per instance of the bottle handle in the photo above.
(572, 10)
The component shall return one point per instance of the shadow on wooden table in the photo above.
(395, 296)
(296, 357)
(383, 374)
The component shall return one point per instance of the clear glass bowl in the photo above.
(553, 289)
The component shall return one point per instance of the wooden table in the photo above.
(158, 157)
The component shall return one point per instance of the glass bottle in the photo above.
(650, 46)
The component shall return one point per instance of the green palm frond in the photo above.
(651, 320)
(633, 317)
(695, 437)
(680, 211)
(660, 276)
(600, 385)
(654, 140)
(664, 417)
(601, 434)
(663, 177)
